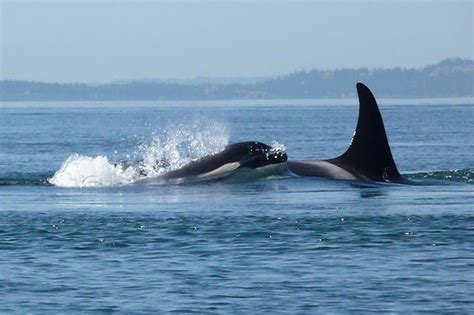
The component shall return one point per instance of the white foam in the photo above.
(85, 171)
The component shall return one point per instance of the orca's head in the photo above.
(256, 154)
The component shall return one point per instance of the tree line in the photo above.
(448, 78)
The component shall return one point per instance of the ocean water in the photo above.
(76, 236)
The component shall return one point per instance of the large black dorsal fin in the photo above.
(369, 153)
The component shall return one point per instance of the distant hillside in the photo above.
(449, 78)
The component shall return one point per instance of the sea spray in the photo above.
(175, 146)
(277, 146)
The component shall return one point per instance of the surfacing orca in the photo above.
(249, 159)
(253, 156)
(368, 157)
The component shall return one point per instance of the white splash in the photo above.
(180, 144)
(176, 146)
(276, 146)
(85, 171)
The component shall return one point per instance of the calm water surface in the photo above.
(279, 245)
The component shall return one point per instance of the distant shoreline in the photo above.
(313, 102)
(450, 78)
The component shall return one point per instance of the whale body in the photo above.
(242, 156)
(249, 159)
(368, 157)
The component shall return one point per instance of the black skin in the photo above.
(250, 154)
(368, 157)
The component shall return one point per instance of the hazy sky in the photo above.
(97, 41)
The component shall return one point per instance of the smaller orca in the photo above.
(249, 159)
(252, 156)
(368, 157)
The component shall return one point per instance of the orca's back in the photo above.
(369, 153)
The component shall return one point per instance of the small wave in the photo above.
(459, 176)
(25, 179)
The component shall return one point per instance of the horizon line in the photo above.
(257, 78)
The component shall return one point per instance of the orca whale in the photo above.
(253, 157)
(368, 157)
(243, 156)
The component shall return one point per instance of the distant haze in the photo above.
(100, 41)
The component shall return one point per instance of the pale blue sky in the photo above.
(98, 41)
